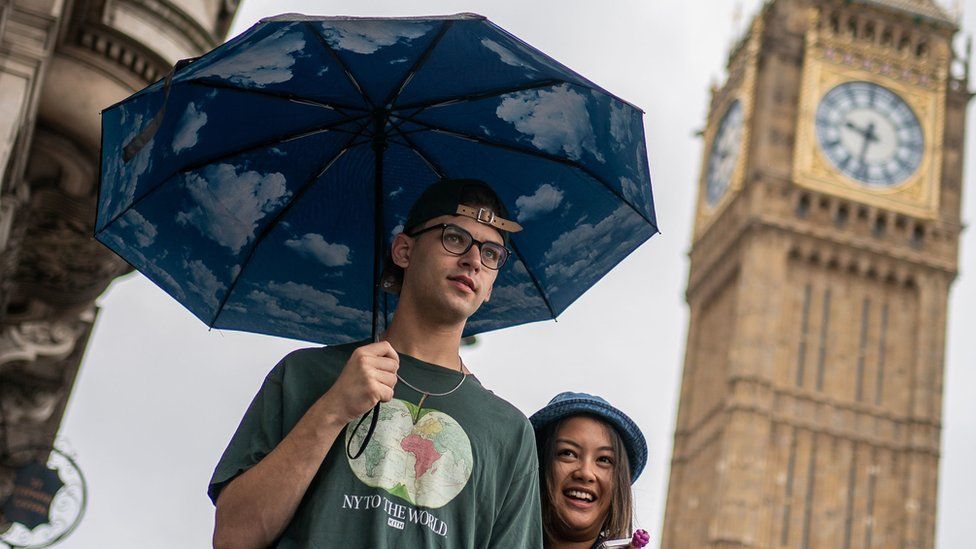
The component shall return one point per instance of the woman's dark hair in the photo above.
(619, 520)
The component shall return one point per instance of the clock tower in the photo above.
(825, 242)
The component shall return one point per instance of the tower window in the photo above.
(869, 31)
(803, 206)
(904, 43)
(921, 49)
(840, 217)
(834, 23)
(918, 235)
(886, 39)
(880, 223)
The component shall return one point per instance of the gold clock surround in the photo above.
(741, 87)
(917, 195)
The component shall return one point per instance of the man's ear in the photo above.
(400, 250)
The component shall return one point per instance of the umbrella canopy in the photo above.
(258, 184)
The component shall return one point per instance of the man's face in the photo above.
(449, 287)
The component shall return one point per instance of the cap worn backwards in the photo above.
(448, 197)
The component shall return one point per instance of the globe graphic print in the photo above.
(426, 464)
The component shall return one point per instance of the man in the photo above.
(448, 465)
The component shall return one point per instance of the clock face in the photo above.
(724, 154)
(869, 133)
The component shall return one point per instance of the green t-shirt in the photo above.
(464, 475)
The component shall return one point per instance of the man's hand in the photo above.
(256, 507)
(368, 377)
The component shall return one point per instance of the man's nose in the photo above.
(472, 258)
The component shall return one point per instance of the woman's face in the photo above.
(582, 473)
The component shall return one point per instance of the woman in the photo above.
(589, 455)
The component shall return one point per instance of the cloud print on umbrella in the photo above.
(143, 232)
(314, 246)
(632, 192)
(620, 125)
(191, 122)
(269, 61)
(127, 174)
(545, 199)
(228, 204)
(202, 282)
(292, 303)
(366, 37)
(556, 118)
(197, 234)
(591, 246)
(505, 55)
(521, 298)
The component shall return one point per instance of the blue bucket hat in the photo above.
(569, 404)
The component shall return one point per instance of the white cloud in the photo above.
(269, 61)
(545, 199)
(314, 246)
(369, 36)
(580, 254)
(620, 124)
(186, 136)
(632, 192)
(316, 306)
(230, 204)
(557, 119)
(148, 268)
(124, 176)
(143, 231)
(202, 282)
(505, 54)
(265, 303)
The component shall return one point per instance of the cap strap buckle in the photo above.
(486, 216)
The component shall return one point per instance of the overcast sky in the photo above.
(158, 395)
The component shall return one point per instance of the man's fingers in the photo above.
(380, 348)
(386, 378)
(383, 364)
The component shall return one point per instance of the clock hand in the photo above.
(850, 125)
(869, 137)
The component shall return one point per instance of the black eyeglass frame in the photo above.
(481, 253)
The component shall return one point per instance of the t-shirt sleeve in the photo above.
(519, 521)
(258, 434)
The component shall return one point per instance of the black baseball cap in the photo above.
(445, 197)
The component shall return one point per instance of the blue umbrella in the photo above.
(260, 184)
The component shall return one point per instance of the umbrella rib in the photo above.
(535, 280)
(441, 101)
(431, 163)
(345, 69)
(395, 93)
(274, 221)
(338, 107)
(539, 154)
(235, 152)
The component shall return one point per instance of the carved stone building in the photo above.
(825, 243)
(61, 62)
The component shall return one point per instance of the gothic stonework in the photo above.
(61, 63)
(811, 397)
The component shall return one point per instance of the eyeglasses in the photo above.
(458, 241)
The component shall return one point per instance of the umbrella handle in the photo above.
(374, 414)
